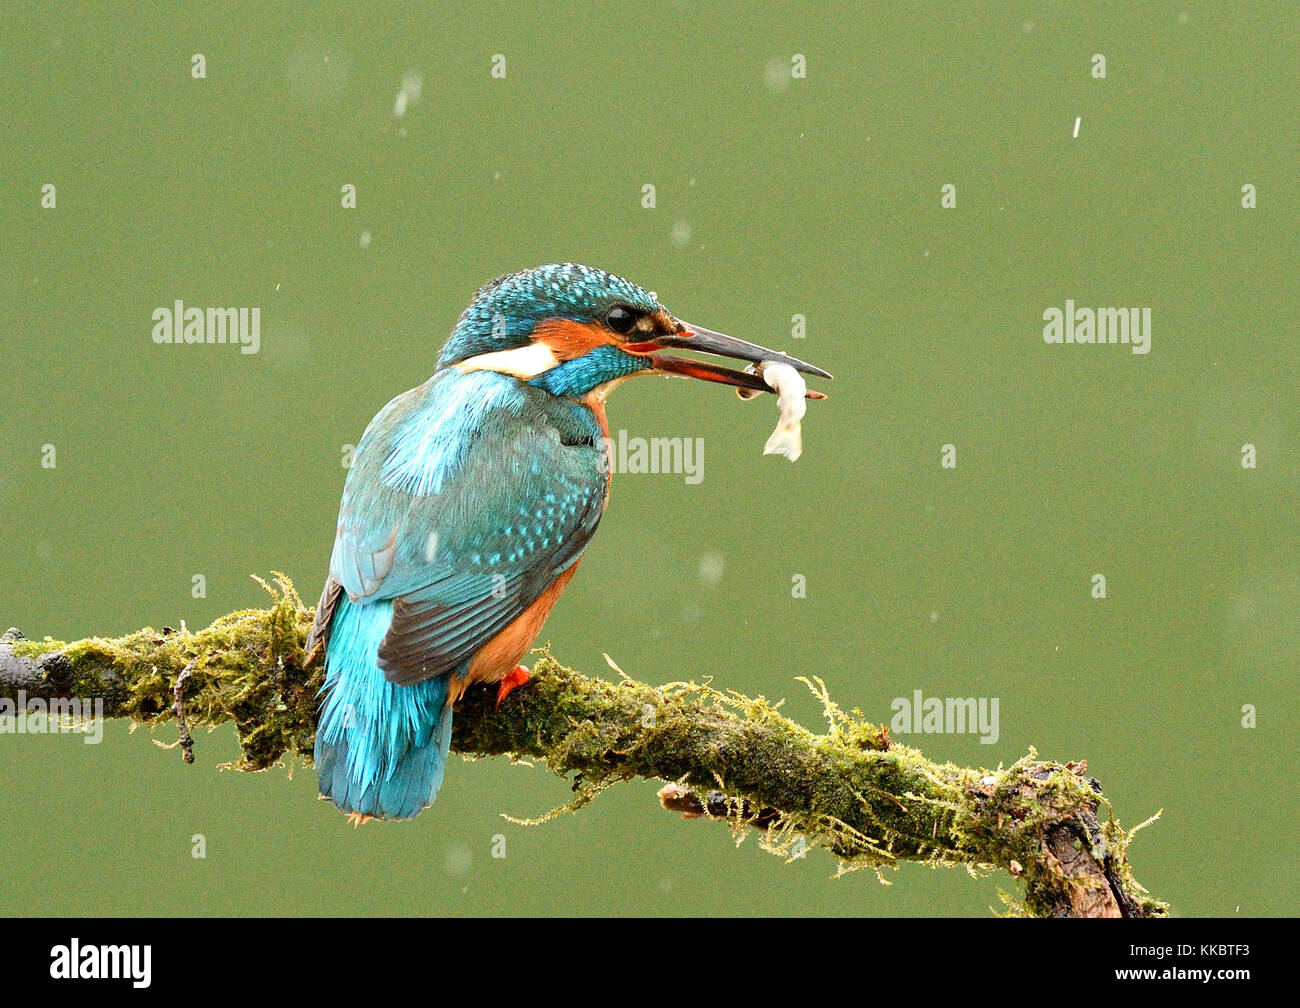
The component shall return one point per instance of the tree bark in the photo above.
(870, 800)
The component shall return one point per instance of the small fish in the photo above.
(791, 393)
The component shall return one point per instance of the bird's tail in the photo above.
(381, 749)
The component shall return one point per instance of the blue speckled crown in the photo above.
(505, 312)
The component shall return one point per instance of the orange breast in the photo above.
(495, 659)
(595, 401)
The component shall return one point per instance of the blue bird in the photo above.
(468, 506)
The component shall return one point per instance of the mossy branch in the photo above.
(872, 801)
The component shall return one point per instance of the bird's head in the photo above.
(572, 329)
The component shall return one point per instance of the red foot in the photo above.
(516, 678)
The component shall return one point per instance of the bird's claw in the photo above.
(518, 677)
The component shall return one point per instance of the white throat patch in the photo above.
(522, 362)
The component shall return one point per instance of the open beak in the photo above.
(692, 337)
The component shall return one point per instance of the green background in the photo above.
(818, 197)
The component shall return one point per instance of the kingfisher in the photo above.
(466, 512)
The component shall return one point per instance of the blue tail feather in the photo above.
(381, 749)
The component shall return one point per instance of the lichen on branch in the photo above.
(852, 789)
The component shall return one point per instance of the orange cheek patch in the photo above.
(568, 339)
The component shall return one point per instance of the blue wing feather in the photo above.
(467, 497)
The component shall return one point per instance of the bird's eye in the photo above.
(621, 320)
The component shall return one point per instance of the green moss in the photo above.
(852, 790)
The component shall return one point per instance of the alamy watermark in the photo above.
(75, 961)
(677, 456)
(920, 714)
(179, 324)
(38, 716)
(1127, 326)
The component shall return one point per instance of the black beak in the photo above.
(691, 337)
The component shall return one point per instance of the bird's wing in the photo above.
(319, 635)
(467, 498)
